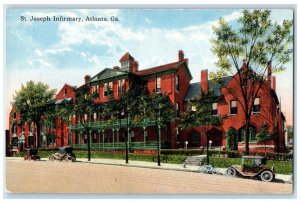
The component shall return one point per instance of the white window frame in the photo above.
(230, 106)
(177, 83)
(158, 84)
(215, 108)
(256, 98)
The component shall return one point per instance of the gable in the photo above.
(108, 74)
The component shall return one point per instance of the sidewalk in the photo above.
(153, 165)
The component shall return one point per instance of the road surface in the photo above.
(61, 177)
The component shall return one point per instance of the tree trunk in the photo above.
(247, 150)
(38, 132)
(89, 145)
(207, 146)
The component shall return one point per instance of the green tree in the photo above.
(202, 115)
(232, 141)
(31, 100)
(263, 137)
(290, 133)
(83, 107)
(256, 41)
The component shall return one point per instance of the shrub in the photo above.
(231, 142)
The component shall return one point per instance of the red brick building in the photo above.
(172, 79)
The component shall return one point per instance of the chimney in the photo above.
(180, 55)
(269, 70)
(116, 68)
(86, 78)
(134, 66)
(204, 81)
(274, 83)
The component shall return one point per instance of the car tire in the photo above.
(51, 158)
(73, 158)
(267, 176)
(231, 172)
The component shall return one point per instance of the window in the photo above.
(95, 116)
(215, 109)
(158, 80)
(177, 108)
(242, 134)
(65, 91)
(125, 65)
(110, 88)
(95, 91)
(256, 105)
(121, 86)
(194, 108)
(177, 83)
(233, 107)
(105, 89)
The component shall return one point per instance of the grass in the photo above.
(281, 167)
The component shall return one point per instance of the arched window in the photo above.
(242, 134)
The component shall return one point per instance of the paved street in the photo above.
(60, 177)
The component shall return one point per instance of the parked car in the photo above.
(253, 167)
(31, 154)
(64, 154)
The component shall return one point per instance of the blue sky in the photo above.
(63, 52)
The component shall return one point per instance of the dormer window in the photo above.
(125, 64)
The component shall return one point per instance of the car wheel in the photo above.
(231, 172)
(51, 158)
(73, 159)
(267, 176)
(66, 159)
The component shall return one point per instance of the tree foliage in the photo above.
(231, 139)
(31, 101)
(202, 113)
(245, 50)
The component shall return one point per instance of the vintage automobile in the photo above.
(31, 154)
(253, 167)
(64, 154)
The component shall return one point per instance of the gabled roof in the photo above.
(106, 74)
(195, 88)
(126, 57)
(162, 68)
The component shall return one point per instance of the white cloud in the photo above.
(57, 50)
(38, 52)
(150, 46)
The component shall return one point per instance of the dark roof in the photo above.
(195, 90)
(166, 67)
(126, 57)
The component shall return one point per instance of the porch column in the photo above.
(113, 138)
(103, 133)
(117, 136)
(78, 137)
(98, 138)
